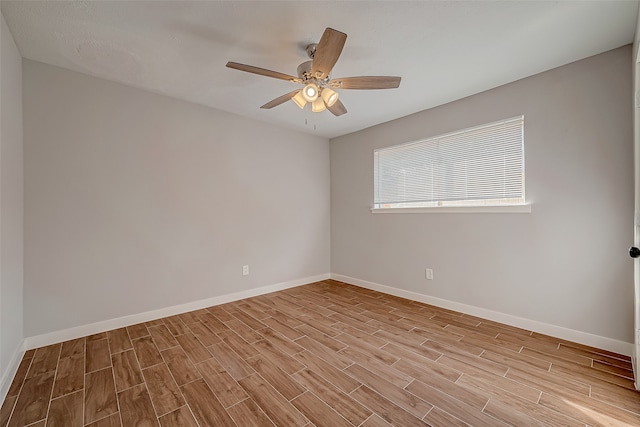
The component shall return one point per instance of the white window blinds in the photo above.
(479, 166)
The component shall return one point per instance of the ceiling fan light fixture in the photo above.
(298, 98)
(310, 92)
(329, 96)
(318, 106)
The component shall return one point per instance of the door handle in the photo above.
(634, 252)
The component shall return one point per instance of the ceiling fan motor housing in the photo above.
(304, 70)
(311, 50)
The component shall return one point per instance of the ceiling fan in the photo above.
(314, 75)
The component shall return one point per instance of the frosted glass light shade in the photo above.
(330, 96)
(318, 105)
(299, 100)
(310, 92)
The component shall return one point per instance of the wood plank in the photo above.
(487, 365)
(280, 358)
(137, 331)
(233, 363)
(364, 337)
(572, 350)
(285, 318)
(244, 331)
(119, 340)
(516, 404)
(100, 395)
(220, 313)
(424, 371)
(326, 370)
(96, 337)
(371, 352)
(19, 377)
(110, 421)
(69, 375)
(454, 407)
(272, 402)
(6, 409)
(247, 413)
(193, 348)
(44, 360)
(164, 391)
(176, 325)
(241, 347)
(398, 395)
(318, 412)
(322, 337)
(361, 326)
(204, 405)
(282, 328)
(72, 347)
(126, 370)
(438, 417)
(146, 352)
(136, 408)
(617, 396)
(280, 341)
(97, 356)
(412, 342)
(66, 411)
(155, 322)
(590, 375)
(33, 400)
(589, 411)
(248, 320)
(384, 408)
(557, 357)
(182, 369)
(191, 316)
(339, 360)
(162, 337)
(322, 324)
(548, 382)
(472, 396)
(487, 381)
(394, 376)
(279, 379)
(253, 308)
(226, 389)
(203, 334)
(341, 402)
(181, 417)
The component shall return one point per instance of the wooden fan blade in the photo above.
(338, 108)
(327, 52)
(280, 100)
(262, 71)
(366, 82)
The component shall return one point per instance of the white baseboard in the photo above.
(107, 325)
(580, 337)
(10, 372)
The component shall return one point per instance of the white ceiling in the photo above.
(443, 50)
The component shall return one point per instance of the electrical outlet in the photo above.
(428, 274)
(245, 270)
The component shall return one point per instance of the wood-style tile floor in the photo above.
(326, 354)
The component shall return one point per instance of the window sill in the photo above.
(458, 209)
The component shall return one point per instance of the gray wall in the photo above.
(136, 202)
(11, 207)
(564, 264)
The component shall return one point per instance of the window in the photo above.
(479, 166)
